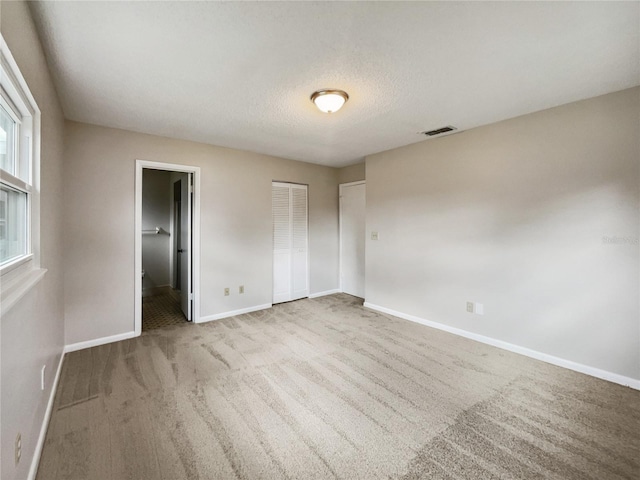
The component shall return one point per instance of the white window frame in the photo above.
(18, 276)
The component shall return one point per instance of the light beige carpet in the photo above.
(324, 388)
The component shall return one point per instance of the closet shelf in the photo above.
(156, 231)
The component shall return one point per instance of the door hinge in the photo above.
(190, 188)
(191, 296)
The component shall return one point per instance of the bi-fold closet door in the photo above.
(290, 242)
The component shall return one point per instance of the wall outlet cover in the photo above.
(470, 307)
(479, 308)
(226, 292)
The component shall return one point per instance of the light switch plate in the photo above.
(374, 235)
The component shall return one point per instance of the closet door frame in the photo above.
(291, 185)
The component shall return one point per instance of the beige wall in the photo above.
(352, 173)
(32, 332)
(236, 227)
(513, 215)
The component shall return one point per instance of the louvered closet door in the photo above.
(281, 205)
(290, 242)
(299, 254)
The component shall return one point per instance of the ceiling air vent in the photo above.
(440, 131)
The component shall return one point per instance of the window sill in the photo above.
(16, 288)
(15, 264)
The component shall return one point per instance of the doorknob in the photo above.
(180, 250)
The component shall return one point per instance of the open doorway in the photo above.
(167, 246)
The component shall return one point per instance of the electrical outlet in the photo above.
(241, 288)
(18, 450)
(226, 292)
(479, 309)
(470, 307)
(44, 367)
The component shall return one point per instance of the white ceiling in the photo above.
(240, 74)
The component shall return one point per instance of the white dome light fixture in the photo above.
(329, 101)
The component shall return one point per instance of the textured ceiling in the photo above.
(240, 74)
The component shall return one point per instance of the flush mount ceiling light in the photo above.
(329, 101)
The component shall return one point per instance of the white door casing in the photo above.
(140, 165)
(352, 238)
(290, 242)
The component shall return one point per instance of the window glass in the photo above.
(7, 142)
(13, 224)
(19, 158)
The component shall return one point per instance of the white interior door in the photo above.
(185, 248)
(290, 242)
(352, 238)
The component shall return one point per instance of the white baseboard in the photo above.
(560, 362)
(233, 313)
(98, 341)
(325, 293)
(35, 461)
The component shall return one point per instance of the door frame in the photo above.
(340, 189)
(195, 234)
